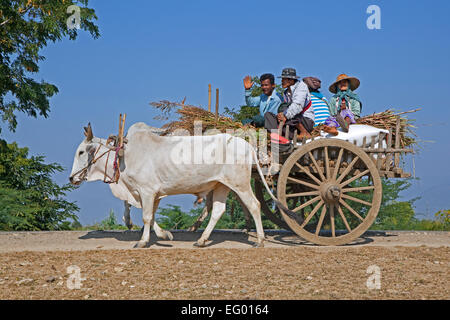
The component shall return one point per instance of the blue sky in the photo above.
(154, 50)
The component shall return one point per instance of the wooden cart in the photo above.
(334, 186)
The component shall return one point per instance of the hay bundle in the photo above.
(387, 120)
(189, 114)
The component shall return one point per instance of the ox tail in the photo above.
(281, 206)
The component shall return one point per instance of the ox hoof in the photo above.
(200, 244)
(258, 245)
(168, 235)
(141, 244)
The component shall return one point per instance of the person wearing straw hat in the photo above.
(345, 106)
(295, 111)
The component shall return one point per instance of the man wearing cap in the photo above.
(345, 106)
(295, 110)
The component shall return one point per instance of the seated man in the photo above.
(268, 101)
(345, 106)
(319, 102)
(296, 109)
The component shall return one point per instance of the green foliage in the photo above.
(393, 214)
(174, 218)
(29, 199)
(443, 216)
(26, 27)
(245, 112)
(110, 223)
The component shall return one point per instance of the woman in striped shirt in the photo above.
(319, 102)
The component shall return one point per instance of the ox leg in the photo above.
(126, 215)
(205, 212)
(160, 233)
(219, 202)
(248, 223)
(254, 207)
(148, 218)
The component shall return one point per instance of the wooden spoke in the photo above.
(338, 164)
(335, 163)
(343, 184)
(316, 165)
(346, 196)
(358, 189)
(341, 213)
(327, 162)
(307, 203)
(308, 173)
(309, 217)
(350, 166)
(322, 216)
(303, 194)
(351, 209)
(313, 186)
(333, 231)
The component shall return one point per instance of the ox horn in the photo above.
(88, 132)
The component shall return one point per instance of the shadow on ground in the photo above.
(218, 236)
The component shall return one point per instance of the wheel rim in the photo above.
(268, 207)
(340, 189)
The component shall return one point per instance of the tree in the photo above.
(174, 218)
(26, 26)
(395, 214)
(29, 199)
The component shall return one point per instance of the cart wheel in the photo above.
(267, 206)
(344, 187)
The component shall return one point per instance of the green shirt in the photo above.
(355, 107)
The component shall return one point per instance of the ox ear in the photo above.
(88, 132)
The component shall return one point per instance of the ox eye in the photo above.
(80, 153)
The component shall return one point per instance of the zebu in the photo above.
(151, 169)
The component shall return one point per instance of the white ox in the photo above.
(153, 167)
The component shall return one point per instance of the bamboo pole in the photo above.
(217, 104)
(209, 97)
(397, 143)
(119, 140)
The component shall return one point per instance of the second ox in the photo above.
(153, 167)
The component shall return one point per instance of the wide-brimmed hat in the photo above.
(289, 73)
(354, 82)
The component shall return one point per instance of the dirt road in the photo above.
(44, 265)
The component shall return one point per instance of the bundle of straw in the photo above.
(387, 120)
(189, 114)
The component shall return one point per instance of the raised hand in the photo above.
(281, 117)
(248, 83)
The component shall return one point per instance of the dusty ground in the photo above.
(413, 265)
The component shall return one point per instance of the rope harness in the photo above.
(116, 174)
